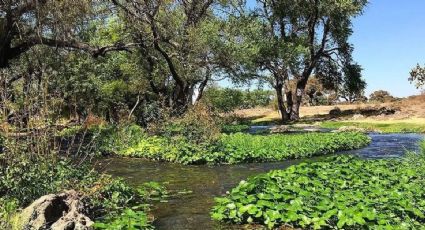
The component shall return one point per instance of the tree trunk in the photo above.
(278, 86)
(289, 103)
(301, 84)
(182, 99)
(202, 88)
(281, 103)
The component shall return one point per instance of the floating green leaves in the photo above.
(342, 192)
(243, 148)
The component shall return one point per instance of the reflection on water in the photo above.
(191, 211)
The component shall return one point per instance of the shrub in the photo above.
(198, 125)
(27, 179)
(381, 96)
(102, 140)
(341, 192)
(24, 180)
(8, 209)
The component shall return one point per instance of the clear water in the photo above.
(191, 211)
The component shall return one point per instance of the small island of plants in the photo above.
(244, 148)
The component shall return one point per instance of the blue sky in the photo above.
(389, 40)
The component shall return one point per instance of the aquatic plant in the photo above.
(240, 148)
(128, 219)
(342, 192)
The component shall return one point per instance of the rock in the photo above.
(350, 129)
(63, 211)
(335, 112)
(358, 116)
(280, 129)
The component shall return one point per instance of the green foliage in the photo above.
(353, 84)
(108, 196)
(132, 215)
(178, 149)
(383, 127)
(24, 180)
(8, 208)
(240, 148)
(104, 139)
(423, 147)
(112, 139)
(228, 99)
(417, 76)
(199, 125)
(341, 192)
(128, 219)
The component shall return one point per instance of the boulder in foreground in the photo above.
(63, 211)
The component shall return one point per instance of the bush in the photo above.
(341, 192)
(8, 209)
(102, 140)
(381, 96)
(198, 125)
(24, 180)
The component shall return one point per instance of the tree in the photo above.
(417, 76)
(381, 96)
(294, 40)
(24, 24)
(353, 85)
(177, 45)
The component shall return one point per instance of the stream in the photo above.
(191, 211)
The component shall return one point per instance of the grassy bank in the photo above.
(242, 148)
(340, 193)
(389, 126)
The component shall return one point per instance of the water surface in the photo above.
(191, 211)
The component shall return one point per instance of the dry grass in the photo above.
(412, 110)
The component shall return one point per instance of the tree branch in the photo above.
(94, 51)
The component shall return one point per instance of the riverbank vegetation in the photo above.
(24, 180)
(341, 192)
(210, 146)
(385, 126)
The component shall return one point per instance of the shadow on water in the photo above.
(191, 211)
